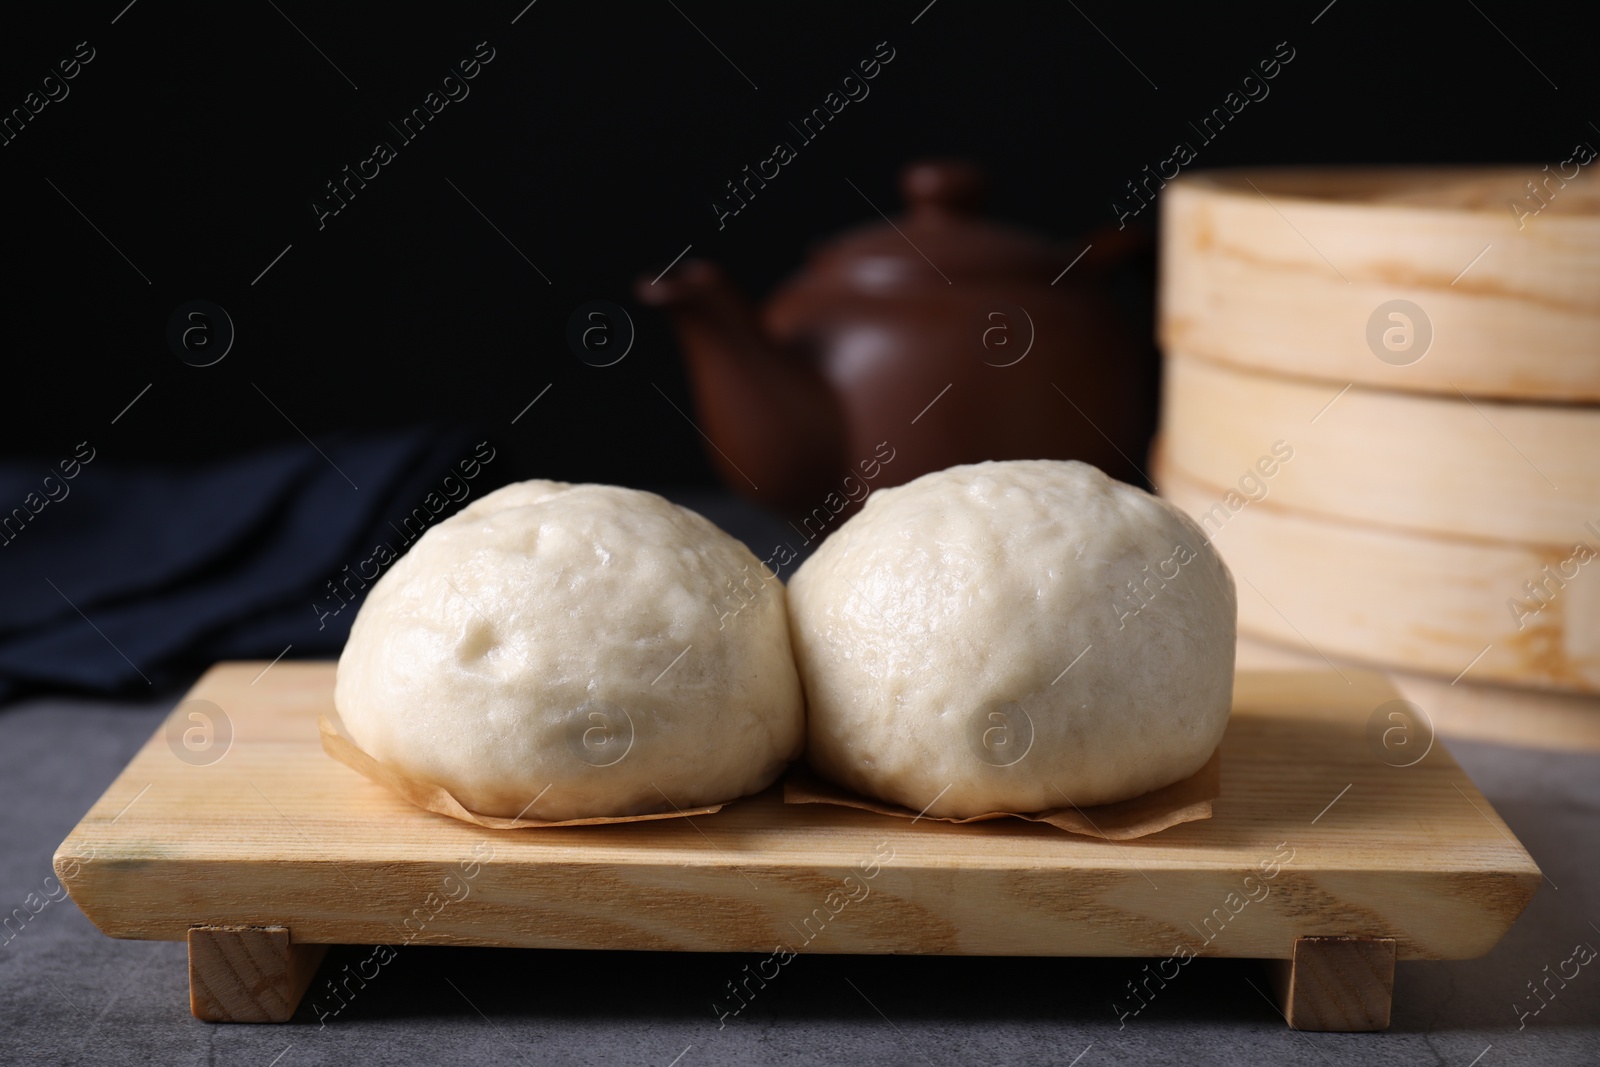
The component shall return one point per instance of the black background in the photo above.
(595, 141)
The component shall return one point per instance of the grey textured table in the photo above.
(68, 994)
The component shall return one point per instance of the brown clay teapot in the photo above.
(900, 349)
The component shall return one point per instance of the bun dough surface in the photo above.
(1013, 636)
(569, 651)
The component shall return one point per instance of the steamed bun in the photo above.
(569, 651)
(1013, 636)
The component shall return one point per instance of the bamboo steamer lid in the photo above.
(1514, 715)
(1286, 270)
(1415, 601)
(1500, 470)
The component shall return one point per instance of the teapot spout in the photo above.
(775, 425)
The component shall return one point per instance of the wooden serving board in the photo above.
(1320, 852)
(1281, 270)
(1481, 469)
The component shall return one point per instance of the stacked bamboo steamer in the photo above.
(1382, 403)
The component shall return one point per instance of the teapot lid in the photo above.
(940, 238)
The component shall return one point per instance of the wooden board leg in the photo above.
(1336, 984)
(248, 974)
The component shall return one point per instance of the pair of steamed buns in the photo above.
(1008, 636)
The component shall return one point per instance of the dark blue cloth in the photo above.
(122, 579)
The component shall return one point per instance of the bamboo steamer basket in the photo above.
(1513, 715)
(1281, 270)
(1416, 601)
(1451, 465)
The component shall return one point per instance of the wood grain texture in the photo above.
(1418, 602)
(1280, 270)
(1336, 984)
(1472, 469)
(1505, 714)
(275, 832)
(244, 974)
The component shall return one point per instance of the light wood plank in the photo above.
(1336, 984)
(248, 974)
